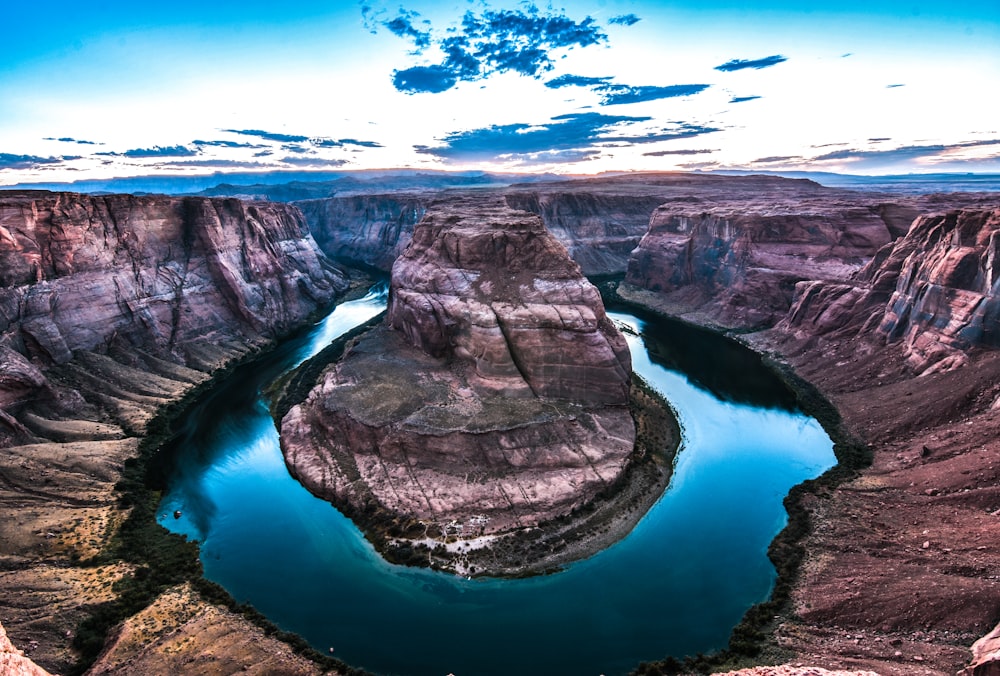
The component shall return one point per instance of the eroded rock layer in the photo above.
(934, 292)
(493, 398)
(111, 307)
(734, 260)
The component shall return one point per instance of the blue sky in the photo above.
(102, 89)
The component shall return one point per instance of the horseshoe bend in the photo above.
(491, 421)
(493, 399)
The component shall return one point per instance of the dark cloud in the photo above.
(155, 151)
(340, 143)
(613, 94)
(269, 136)
(577, 81)
(487, 43)
(777, 158)
(662, 153)
(893, 86)
(312, 162)
(424, 79)
(828, 145)
(877, 158)
(293, 148)
(264, 153)
(757, 64)
(621, 94)
(9, 161)
(67, 139)
(225, 144)
(879, 139)
(403, 26)
(625, 19)
(741, 99)
(574, 132)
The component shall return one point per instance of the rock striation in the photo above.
(733, 260)
(161, 272)
(368, 229)
(110, 308)
(934, 293)
(493, 398)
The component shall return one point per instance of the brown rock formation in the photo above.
(13, 662)
(985, 656)
(160, 272)
(734, 261)
(934, 293)
(368, 229)
(493, 399)
(111, 307)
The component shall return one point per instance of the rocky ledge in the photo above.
(494, 399)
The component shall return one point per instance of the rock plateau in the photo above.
(494, 398)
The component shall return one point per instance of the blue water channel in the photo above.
(676, 585)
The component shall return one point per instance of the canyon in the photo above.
(112, 307)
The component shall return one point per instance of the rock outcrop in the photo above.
(985, 656)
(495, 396)
(734, 260)
(935, 293)
(367, 229)
(598, 228)
(159, 272)
(13, 662)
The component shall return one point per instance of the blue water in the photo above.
(676, 585)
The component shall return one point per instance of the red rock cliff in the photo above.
(161, 272)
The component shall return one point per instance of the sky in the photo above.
(110, 88)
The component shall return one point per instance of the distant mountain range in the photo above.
(286, 186)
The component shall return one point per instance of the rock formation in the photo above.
(598, 227)
(735, 261)
(13, 662)
(493, 398)
(985, 656)
(111, 307)
(76, 271)
(364, 229)
(935, 292)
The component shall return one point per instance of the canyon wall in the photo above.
(734, 261)
(934, 294)
(158, 272)
(367, 229)
(110, 308)
(599, 230)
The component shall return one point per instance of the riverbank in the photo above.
(753, 641)
(882, 566)
(520, 552)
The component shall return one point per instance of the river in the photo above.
(676, 585)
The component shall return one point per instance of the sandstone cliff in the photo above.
(734, 261)
(368, 229)
(111, 307)
(933, 294)
(160, 272)
(493, 398)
